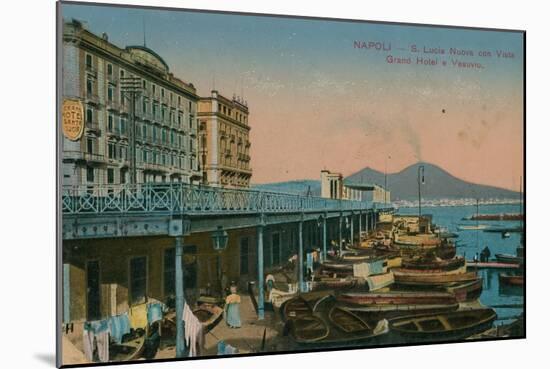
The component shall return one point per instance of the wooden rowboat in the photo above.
(509, 258)
(512, 280)
(445, 326)
(433, 279)
(409, 271)
(209, 316)
(308, 329)
(466, 291)
(131, 347)
(304, 304)
(441, 264)
(398, 298)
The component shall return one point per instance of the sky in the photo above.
(319, 102)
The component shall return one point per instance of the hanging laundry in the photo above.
(154, 312)
(138, 316)
(119, 325)
(193, 331)
(95, 336)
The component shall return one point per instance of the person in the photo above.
(232, 312)
(152, 341)
(485, 254)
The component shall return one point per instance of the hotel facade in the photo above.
(163, 143)
(224, 141)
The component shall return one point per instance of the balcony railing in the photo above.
(179, 198)
(85, 156)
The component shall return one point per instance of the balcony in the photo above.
(113, 105)
(112, 79)
(88, 157)
(90, 69)
(93, 126)
(92, 98)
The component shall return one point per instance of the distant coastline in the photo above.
(453, 202)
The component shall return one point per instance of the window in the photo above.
(110, 175)
(90, 146)
(244, 256)
(110, 69)
(172, 138)
(154, 89)
(144, 84)
(144, 105)
(110, 123)
(179, 100)
(110, 93)
(90, 174)
(122, 73)
(89, 86)
(276, 248)
(138, 279)
(89, 115)
(162, 92)
(169, 272)
(112, 150)
(123, 126)
(88, 61)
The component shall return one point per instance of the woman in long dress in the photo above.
(232, 312)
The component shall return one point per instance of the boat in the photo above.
(308, 329)
(131, 347)
(471, 227)
(466, 291)
(304, 304)
(409, 271)
(433, 279)
(511, 279)
(209, 315)
(397, 298)
(328, 283)
(444, 326)
(509, 258)
(439, 264)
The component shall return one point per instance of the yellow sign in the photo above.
(73, 119)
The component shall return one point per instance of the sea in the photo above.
(507, 301)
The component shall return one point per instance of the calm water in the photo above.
(471, 242)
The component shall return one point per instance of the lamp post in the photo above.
(386, 179)
(219, 241)
(420, 181)
(131, 89)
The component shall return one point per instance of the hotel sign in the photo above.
(72, 119)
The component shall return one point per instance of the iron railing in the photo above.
(180, 198)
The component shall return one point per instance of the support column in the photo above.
(360, 227)
(180, 300)
(260, 235)
(301, 256)
(340, 220)
(351, 229)
(325, 238)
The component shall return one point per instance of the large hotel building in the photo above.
(166, 130)
(224, 141)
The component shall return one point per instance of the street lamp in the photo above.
(219, 241)
(420, 181)
(386, 179)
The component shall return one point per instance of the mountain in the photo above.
(439, 184)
